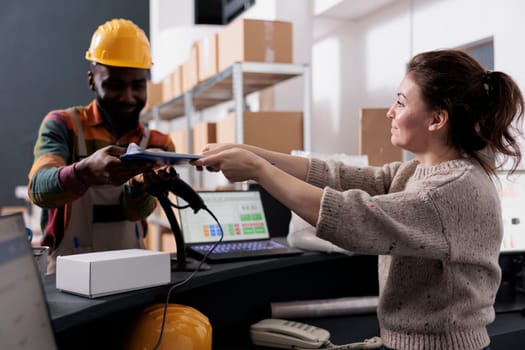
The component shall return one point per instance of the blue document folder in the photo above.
(134, 152)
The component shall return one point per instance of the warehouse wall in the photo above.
(43, 68)
(364, 59)
(358, 62)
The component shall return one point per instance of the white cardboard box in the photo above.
(109, 272)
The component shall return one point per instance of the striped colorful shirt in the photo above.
(53, 184)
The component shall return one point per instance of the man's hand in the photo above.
(155, 176)
(104, 167)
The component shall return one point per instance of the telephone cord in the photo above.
(163, 322)
(372, 343)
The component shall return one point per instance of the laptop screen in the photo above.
(511, 190)
(25, 322)
(240, 214)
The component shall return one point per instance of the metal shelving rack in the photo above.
(232, 84)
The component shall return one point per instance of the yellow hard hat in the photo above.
(185, 328)
(120, 43)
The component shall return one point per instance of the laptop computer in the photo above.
(241, 216)
(25, 321)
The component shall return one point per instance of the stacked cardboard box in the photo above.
(374, 137)
(180, 139)
(244, 40)
(207, 65)
(276, 131)
(190, 69)
(253, 40)
(203, 133)
(172, 85)
(154, 91)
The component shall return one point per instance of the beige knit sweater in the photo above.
(438, 232)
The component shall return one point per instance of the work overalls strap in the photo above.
(97, 221)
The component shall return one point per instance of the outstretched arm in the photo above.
(293, 165)
(280, 174)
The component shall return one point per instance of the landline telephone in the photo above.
(285, 334)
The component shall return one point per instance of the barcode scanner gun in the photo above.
(174, 184)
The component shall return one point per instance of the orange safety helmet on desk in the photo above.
(185, 328)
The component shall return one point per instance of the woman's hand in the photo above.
(236, 164)
(280, 174)
(213, 148)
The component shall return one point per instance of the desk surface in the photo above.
(236, 294)
(232, 295)
(68, 310)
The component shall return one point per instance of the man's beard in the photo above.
(117, 122)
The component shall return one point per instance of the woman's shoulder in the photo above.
(460, 176)
(451, 169)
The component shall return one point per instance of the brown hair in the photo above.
(482, 105)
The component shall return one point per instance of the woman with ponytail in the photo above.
(435, 221)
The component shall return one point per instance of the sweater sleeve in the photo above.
(401, 223)
(342, 177)
(369, 210)
(51, 154)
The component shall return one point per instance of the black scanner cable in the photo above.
(181, 189)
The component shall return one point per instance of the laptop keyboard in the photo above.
(239, 246)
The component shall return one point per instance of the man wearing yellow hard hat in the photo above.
(92, 200)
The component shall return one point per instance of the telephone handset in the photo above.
(285, 334)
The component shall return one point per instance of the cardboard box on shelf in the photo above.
(172, 85)
(374, 137)
(254, 40)
(167, 88)
(203, 133)
(7, 210)
(207, 58)
(176, 79)
(151, 240)
(190, 69)
(154, 91)
(276, 131)
(168, 242)
(180, 139)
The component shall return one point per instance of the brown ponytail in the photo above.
(484, 107)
